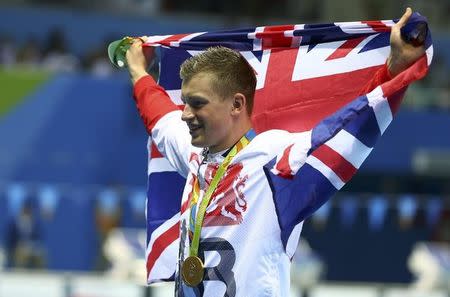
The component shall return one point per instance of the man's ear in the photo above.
(239, 103)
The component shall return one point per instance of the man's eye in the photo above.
(196, 104)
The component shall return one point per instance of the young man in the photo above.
(246, 196)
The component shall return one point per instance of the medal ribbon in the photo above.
(243, 142)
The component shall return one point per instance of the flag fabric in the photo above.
(309, 77)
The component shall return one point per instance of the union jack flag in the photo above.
(305, 74)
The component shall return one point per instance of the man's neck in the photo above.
(232, 140)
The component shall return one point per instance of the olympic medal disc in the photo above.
(192, 271)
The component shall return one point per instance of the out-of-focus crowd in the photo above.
(33, 218)
(53, 55)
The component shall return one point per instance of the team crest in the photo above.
(228, 203)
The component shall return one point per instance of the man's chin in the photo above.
(198, 142)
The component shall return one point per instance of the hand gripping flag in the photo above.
(309, 77)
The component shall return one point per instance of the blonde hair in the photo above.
(232, 73)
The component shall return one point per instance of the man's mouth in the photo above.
(194, 128)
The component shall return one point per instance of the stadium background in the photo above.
(73, 159)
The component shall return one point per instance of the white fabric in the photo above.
(261, 264)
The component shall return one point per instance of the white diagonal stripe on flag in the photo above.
(326, 171)
(160, 230)
(349, 147)
(381, 108)
(185, 38)
(292, 243)
(156, 38)
(257, 43)
(290, 33)
(164, 271)
(175, 96)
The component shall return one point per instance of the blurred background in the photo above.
(73, 156)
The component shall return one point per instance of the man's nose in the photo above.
(187, 113)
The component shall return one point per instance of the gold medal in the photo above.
(192, 271)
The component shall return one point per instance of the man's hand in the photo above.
(138, 59)
(402, 54)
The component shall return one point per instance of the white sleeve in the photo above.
(171, 136)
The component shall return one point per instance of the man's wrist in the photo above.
(390, 68)
(137, 75)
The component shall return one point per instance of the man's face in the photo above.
(207, 114)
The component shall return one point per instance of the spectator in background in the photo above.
(442, 228)
(29, 55)
(7, 51)
(23, 240)
(97, 62)
(56, 56)
(107, 218)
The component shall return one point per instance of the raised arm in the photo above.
(403, 53)
(161, 117)
(138, 59)
(401, 56)
(308, 173)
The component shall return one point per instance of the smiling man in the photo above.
(218, 100)
(246, 196)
